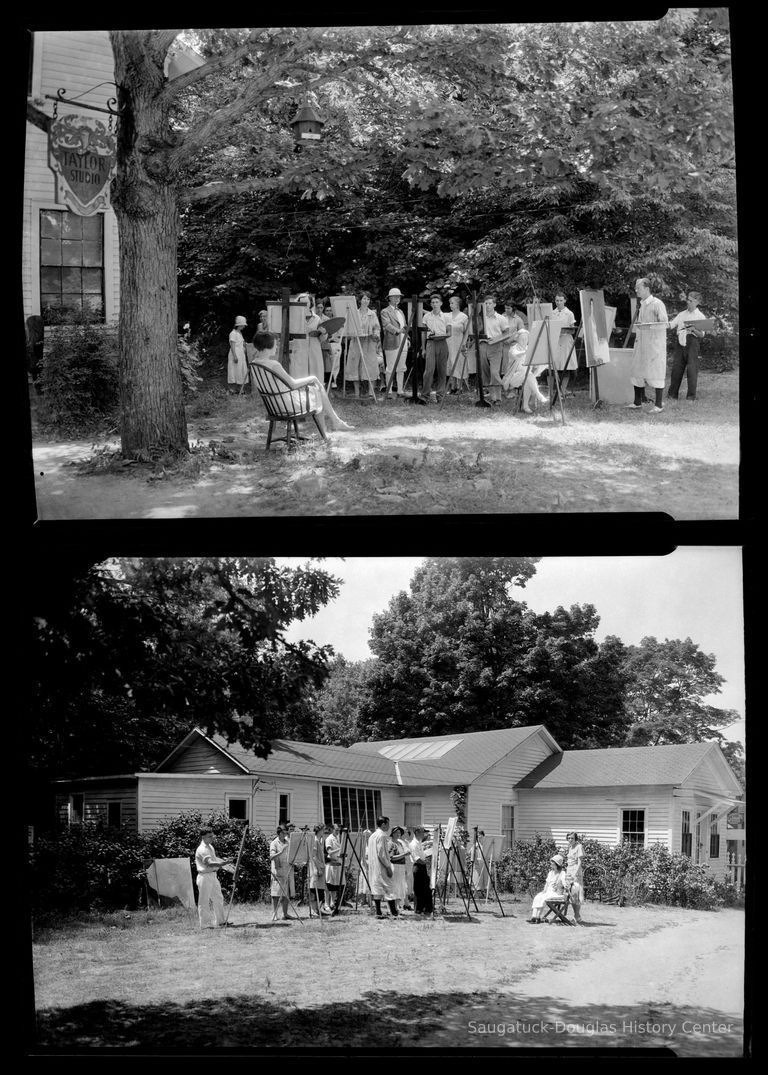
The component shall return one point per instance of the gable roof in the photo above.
(460, 757)
(618, 766)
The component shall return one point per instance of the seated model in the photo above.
(264, 350)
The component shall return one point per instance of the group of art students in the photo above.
(393, 869)
(379, 356)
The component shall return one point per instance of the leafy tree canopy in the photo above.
(134, 653)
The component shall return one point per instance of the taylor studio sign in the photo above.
(82, 152)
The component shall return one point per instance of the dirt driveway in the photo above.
(403, 460)
(651, 978)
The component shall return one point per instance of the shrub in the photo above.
(180, 836)
(720, 352)
(524, 867)
(90, 867)
(79, 380)
(84, 866)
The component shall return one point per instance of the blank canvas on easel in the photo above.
(297, 318)
(537, 311)
(346, 306)
(539, 345)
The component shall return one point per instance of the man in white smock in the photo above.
(380, 869)
(649, 357)
(210, 899)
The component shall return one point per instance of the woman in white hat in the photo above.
(393, 327)
(237, 363)
(554, 888)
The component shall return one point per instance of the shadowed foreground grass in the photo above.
(160, 984)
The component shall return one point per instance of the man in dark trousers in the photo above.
(686, 353)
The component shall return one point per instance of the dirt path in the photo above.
(401, 460)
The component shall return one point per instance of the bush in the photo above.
(89, 867)
(78, 380)
(720, 352)
(180, 837)
(635, 874)
(86, 866)
(524, 867)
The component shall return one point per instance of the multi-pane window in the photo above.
(283, 807)
(633, 827)
(353, 808)
(71, 266)
(508, 825)
(714, 839)
(686, 836)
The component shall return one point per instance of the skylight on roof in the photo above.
(423, 751)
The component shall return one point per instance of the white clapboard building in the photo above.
(515, 782)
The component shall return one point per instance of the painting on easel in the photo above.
(597, 321)
(538, 311)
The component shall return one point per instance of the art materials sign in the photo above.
(82, 154)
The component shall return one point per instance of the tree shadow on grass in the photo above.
(385, 1020)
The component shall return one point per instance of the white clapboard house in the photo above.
(515, 781)
(70, 258)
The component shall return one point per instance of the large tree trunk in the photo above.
(144, 198)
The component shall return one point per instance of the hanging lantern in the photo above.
(306, 125)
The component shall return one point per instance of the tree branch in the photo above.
(219, 190)
(217, 63)
(161, 41)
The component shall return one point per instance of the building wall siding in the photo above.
(95, 804)
(436, 806)
(201, 757)
(593, 812)
(75, 60)
(497, 786)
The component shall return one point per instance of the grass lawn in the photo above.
(401, 460)
(156, 982)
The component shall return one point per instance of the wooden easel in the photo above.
(552, 375)
(491, 884)
(234, 875)
(347, 845)
(452, 855)
(459, 354)
(481, 400)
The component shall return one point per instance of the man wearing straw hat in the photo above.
(393, 326)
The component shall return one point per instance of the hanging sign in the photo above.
(82, 153)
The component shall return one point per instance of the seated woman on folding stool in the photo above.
(265, 347)
(554, 888)
(517, 376)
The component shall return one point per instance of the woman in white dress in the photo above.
(279, 871)
(316, 869)
(363, 361)
(554, 887)
(518, 375)
(237, 363)
(575, 873)
(457, 345)
(265, 346)
(565, 355)
(333, 878)
(398, 853)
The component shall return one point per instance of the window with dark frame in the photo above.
(508, 825)
(686, 836)
(633, 827)
(284, 808)
(114, 814)
(714, 839)
(412, 814)
(71, 266)
(356, 808)
(237, 809)
(76, 807)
